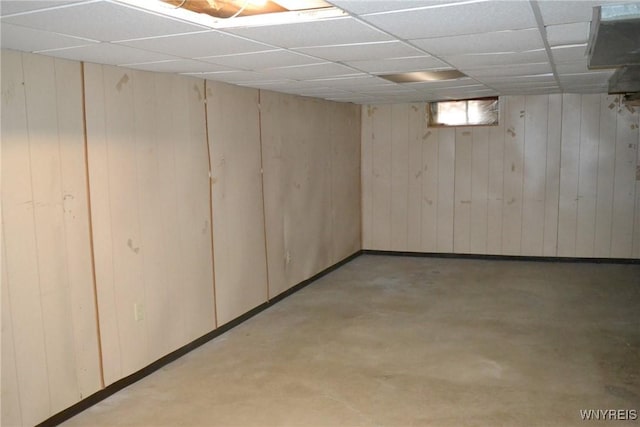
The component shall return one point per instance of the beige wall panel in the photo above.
(416, 131)
(238, 219)
(479, 190)
(47, 279)
(399, 175)
(462, 190)
(535, 156)
(496, 184)
(297, 188)
(569, 173)
(98, 160)
(10, 389)
(429, 198)
(40, 90)
(69, 105)
(537, 184)
(604, 187)
(552, 180)
(381, 171)
(137, 122)
(446, 183)
(194, 208)
(513, 175)
(159, 244)
(366, 167)
(624, 183)
(345, 180)
(20, 236)
(588, 175)
(125, 234)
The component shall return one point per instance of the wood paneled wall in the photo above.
(310, 160)
(558, 177)
(238, 220)
(50, 356)
(159, 177)
(149, 182)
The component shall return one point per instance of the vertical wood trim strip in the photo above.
(213, 262)
(264, 210)
(90, 221)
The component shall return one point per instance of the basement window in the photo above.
(468, 112)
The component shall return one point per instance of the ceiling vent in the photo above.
(614, 42)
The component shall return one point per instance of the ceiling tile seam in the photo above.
(49, 8)
(543, 34)
(53, 32)
(413, 9)
(408, 43)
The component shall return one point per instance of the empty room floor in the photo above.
(403, 341)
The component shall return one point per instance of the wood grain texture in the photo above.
(462, 190)
(534, 175)
(48, 301)
(150, 213)
(554, 178)
(399, 175)
(345, 180)
(298, 162)
(238, 219)
(415, 133)
(588, 175)
(569, 174)
(624, 183)
(552, 175)
(478, 224)
(513, 175)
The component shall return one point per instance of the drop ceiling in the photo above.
(504, 47)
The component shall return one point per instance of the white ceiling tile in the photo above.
(199, 45)
(536, 78)
(399, 65)
(314, 71)
(235, 77)
(567, 12)
(572, 67)
(104, 21)
(496, 59)
(500, 41)
(319, 33)
(353, 83)
(563, 34)
(10, 7)
(531, 91)
(598, 77)
(453, 20)
(360, 7)
(509, 70)
(362, 51)
(107, 53)
(262, 60)
(179, 66)
(569, 53)
(29, 40)
(466, 82)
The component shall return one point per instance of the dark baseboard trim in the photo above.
(504, 257)
(100, 395)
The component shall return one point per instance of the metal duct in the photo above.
(614, 39)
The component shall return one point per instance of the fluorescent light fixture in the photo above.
(424, 76)
(240, 13)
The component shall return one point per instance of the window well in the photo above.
(468, 112)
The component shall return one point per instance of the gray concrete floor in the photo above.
(397, 341)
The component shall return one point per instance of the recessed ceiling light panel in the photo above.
(424, 76)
